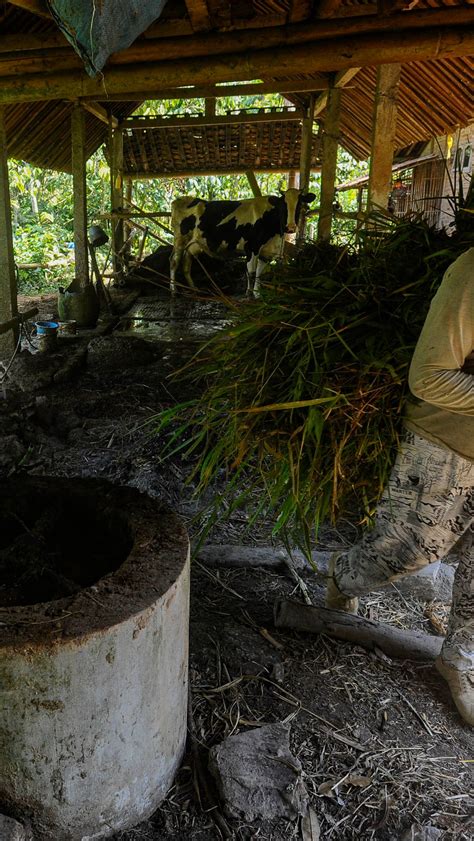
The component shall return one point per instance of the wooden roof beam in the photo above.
(191, 173)
(323, 56)
(157, 48)
(220, 119)
(316, 83)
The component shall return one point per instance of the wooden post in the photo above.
(254, 185)
(116, 195)
(293, 179)
(8, 291)
(78, 134)
(305, 158)
(383, 136)
(210, 106)
(330, 141)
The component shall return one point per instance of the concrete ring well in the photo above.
(93, 685)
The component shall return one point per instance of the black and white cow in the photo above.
(254, 227)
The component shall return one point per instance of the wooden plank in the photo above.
(8, 291)
(198, 15)
(333, 55)
(218, 120)
(330, 142)
(383, 136)
(78, 135)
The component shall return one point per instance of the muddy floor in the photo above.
(381, 745)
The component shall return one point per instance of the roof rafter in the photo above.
(36, 7)
(198, 15)
(341, 81)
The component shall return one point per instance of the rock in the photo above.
(433, 582)
(257, 776)
(11, 830)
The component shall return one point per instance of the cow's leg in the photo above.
(191, 251)
(262, 268)
(174, 264)
(251, 273)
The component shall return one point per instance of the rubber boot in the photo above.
(461, 684)
(335, 599)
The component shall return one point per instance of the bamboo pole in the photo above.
(8, 290)
(329, 163)
(78, 134)
(315, 57)
(383, 136)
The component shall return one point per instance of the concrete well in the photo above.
(93, 683)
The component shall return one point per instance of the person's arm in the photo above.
(436, 373)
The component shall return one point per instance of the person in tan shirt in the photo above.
(427, 509)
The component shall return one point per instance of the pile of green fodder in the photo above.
(302, 397)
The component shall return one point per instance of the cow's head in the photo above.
(294, 200)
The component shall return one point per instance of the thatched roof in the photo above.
(262, 140)
(203, 42)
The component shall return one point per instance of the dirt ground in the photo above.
(381, 744)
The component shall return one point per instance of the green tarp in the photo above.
(98, 28)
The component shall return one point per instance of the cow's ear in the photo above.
(308, 198)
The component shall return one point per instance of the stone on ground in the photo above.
(257, 776)
(11, 830)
